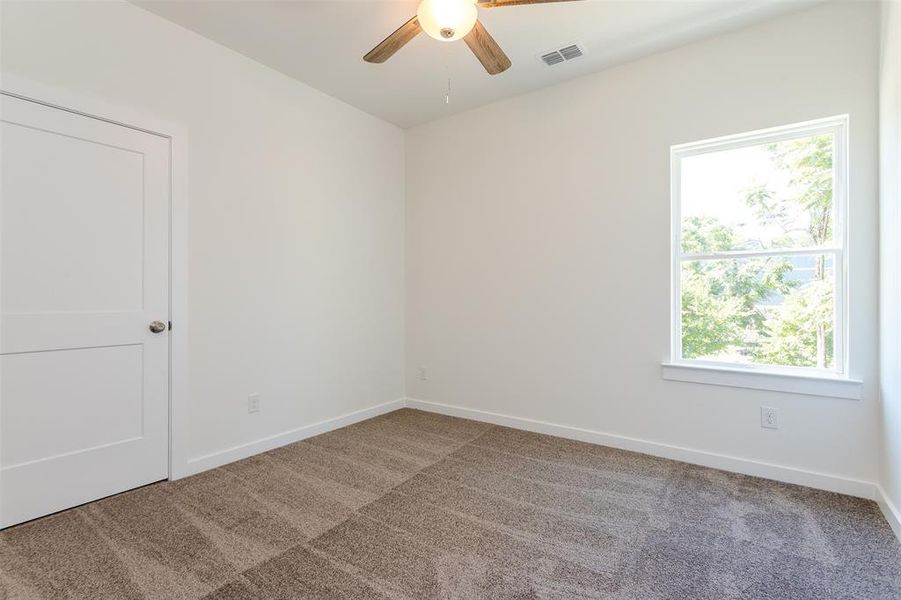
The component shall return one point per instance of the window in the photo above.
(759, 251)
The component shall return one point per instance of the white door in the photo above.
(84, 270)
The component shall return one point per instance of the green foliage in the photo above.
(702, 235)
(707, 324)
(809, 163)
(729, 306)
(721, 298)
(792, 328)
(809, 160)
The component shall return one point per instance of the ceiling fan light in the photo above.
(447, 20)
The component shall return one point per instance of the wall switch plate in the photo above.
(769, 417)
(253, 403)
(422, 374)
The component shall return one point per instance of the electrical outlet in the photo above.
(253, 403)
(769, 417)
(422, 374)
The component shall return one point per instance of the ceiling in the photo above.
(322, 43)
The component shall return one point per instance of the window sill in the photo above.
(811, 385)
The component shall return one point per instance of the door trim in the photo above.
(177, 134)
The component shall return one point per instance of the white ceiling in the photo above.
(322, 43)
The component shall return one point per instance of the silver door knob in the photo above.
(157, 326)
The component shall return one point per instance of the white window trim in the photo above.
(821, 382)
(835, 386)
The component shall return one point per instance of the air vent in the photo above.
(571, 52)
(552, 58)
(561, 54)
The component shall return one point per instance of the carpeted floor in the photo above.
(416, 505)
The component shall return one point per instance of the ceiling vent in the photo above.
(562, 54)
(552, 58)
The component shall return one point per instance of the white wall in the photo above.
(538, 244)
(890, 257)
(296, 215)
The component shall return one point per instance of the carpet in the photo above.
(418, 505)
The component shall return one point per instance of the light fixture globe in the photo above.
(447, 20)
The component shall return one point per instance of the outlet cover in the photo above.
(253, 403)
(769, 417)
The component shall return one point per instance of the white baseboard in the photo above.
(822, 481)
(223, 457)
(889, 510)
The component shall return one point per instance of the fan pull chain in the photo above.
(447, 72)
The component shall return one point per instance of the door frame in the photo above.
(56, 97)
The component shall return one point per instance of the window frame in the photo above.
(837, 126)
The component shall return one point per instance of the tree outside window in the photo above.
(758, 254)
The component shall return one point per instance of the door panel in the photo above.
(83, 270)
(74, 261)
(46, 418)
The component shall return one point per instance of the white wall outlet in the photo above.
(253, 403)
(423, 376)
(769, 417)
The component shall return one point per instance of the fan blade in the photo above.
(486, 50)
(495, 3)
(394, 42)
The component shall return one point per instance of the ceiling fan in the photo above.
(447, 21)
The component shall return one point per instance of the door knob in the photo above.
(157, 326)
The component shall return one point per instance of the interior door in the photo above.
(84, 274)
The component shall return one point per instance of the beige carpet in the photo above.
(415, 505)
